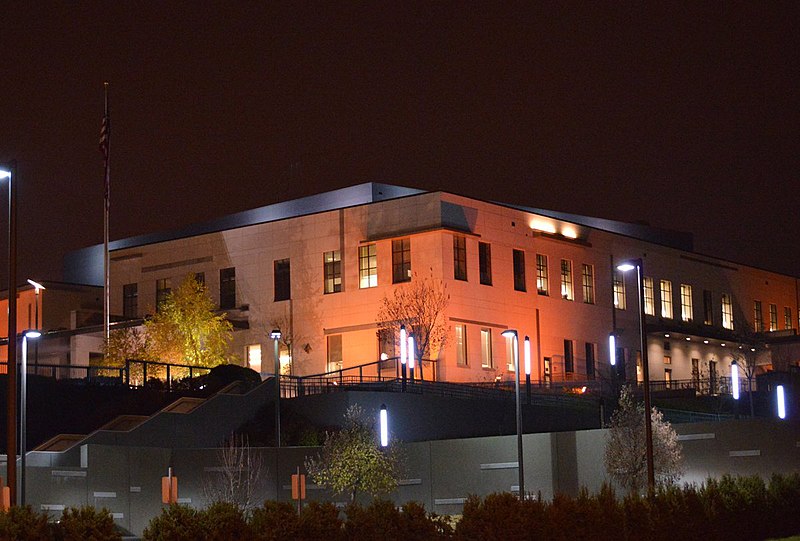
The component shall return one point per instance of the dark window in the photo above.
(459, 258)
(485, 263)
(401, 260)
(283, 284)
(589, 360)
(332, 262)
(708, 308)
(162, 290)
(519, 270)
(130, 300)
(621, 364)
(200, 278)
(227, 288)
(569, 356)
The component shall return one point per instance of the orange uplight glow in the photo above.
(569, 232)
(539, 224)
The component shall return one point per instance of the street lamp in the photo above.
(626, 266)
(23, 414)
(511, 333)
(384, 422)
(276, 336)
(37, 287)
(7, 172)
(528, 368)
(403, 349)
(781, 402)
(735, 380)
(411, 356)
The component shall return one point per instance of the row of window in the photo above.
(758, 317)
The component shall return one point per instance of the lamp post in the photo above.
(528, 368)
(626, 266)
(37, 288)
(403, 350)
(23, 414)
(276, 336)
(511, 333)
(384, 425)
(7, 172)
(411, 356)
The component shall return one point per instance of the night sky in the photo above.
(682, 115)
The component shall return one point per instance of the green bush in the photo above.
(175, 523)
(87, 524)
(275, 521)
(320, 521)
(23, 524)
(223, 521)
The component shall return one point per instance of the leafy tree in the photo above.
(123, 344)
(626, 456)
(419, 305)
(351, 460)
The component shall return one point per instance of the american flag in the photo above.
(105, 132)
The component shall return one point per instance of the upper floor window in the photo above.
(727, 311)
(773, 317)
(130, 300)
(401, 260)
(227, 288)
(787, 317)
(542, 285)
(485, 262)
(283, 281)
(649, 296)
(758, 317)
(686, 302)
(567, 291)
(367, 266)
(162, 290)
(332, 269)
(666, 299)
(619, 291)
(708, 308)
(519, 270)
(459, 257)
(587, 275)
(461, 344)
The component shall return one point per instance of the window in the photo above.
(461, 345)
(708, 308)
(401, 261)
(510, 354)
(619, 291)
(200, 278)
(254, 356)
(486, 348)
(587, 275)
(332, 268)
(459, 258)
(686, 302)
(130, 300)
(227, 288)
(162, 290)
(787, 317)
(668, 378)
(727, 311)
(590, 354)
(542, 286)
(569, 357)
(519, 270)
(485, 263)
(666, 299)
(773, 317)
(283, 283)
(649, 296)
(758, 317)
(334, 352)
(367, 266)
(667, 359)
(566, 280)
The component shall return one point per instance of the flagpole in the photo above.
(106, 144)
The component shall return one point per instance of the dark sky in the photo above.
(681, 114)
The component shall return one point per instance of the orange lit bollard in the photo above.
(169, 488)
(5, 496)
(299, 489)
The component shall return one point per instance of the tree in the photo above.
(746, 354)
(186, 328)
(351, 460)
(626, 457)
(419, 305)
(237, 476)
(123, 344)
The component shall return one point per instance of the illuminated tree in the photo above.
(419, 305)
(351, 460)
(239, 474)
(626, 450)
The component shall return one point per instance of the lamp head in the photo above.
(509, 333)
(275, 334)
(36, 285)
(625, 267)
(4, 174)
(32, 333)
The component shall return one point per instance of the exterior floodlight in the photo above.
(384, 426)
(612, 349)
(625, 267)
(33, 333)
(4, 174)
(735, 380)
(36, 285)
(403, 344)
(275, 334)
(781, 402)
(510, 333)
(527, 356)
(514, 336)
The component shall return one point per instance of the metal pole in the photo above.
(11, 377)
(36, 343)
(519, 419)
(648, 425)
(23, 418)
(277, 393)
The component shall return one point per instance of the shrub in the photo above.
(175, 523)
(320, 521)
(87, 523)
(223, 521)
(22, 523)
(275, 521)
(498, 516)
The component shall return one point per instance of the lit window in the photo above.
(254, 357)
(227, 288)
(332, 268)
(130, 300)
(566, 280)
(401, 261)
(649, 296)
(758, 318)
(587, 275)
(334, 352)
(283, 284)
(686, 302)
(519, 270)
(509, 355)
(787, 317)
(727, 311)
(541, 275)
(485, 263)
(668, 378)
(619, 291)
(367, 266)
(486, 348)
(773, 317)
(666, 299)
(461, 345)
(459, 258)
